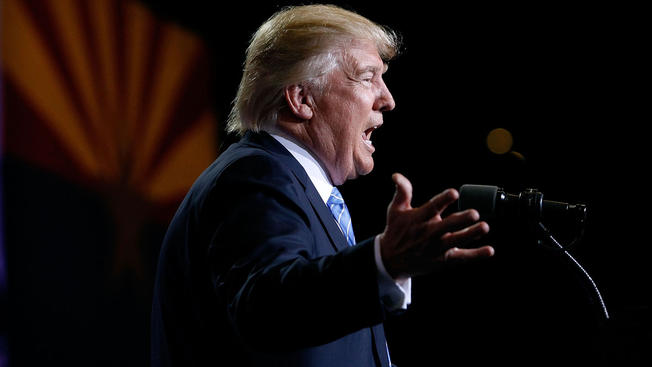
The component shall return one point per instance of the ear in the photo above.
(298, 100)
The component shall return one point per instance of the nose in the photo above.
(385, 101)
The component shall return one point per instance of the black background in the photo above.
(568, 82)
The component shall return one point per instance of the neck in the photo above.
(296, 133)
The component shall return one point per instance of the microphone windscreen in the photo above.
(479, 197)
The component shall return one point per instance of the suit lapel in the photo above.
(338, 240)
(378, 336)
(326, 217)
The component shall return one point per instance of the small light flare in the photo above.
(499, 141)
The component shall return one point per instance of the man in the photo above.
(260, 266)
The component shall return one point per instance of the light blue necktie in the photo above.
(341, 213)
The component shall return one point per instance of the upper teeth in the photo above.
(367, 134)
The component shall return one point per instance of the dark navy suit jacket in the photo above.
(254, 271)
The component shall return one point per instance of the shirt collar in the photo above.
(315, 171)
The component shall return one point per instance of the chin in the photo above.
(365, 169)
(359, 168)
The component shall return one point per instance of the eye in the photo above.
(367, 77)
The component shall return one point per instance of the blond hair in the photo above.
(297, 45)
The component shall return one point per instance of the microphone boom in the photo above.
(493, 203)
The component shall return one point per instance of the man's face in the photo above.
(347, 112)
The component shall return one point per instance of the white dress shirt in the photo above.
(395, 294)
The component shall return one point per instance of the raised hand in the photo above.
(418, 240)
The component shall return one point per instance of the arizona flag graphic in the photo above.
(108, 119)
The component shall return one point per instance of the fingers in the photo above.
(455, 221)
(437, 227)
(438, 204)
(403, 196)
(457, 230)
(460, 255)
(465, 236)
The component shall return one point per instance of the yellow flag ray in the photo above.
(102, 14)
(184, 161)
(43, 85)
(67, 21)
(179, 49)
(139, 25)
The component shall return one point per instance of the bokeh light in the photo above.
(499, 141)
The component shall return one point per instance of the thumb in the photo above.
(403, 196)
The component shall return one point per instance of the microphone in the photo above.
(493, 203)
(529, 207)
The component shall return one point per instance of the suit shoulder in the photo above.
(247, 168)
(258, 167)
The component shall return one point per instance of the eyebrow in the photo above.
(374, 69)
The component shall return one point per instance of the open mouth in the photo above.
(366, 135)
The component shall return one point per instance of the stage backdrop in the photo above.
(108, 120)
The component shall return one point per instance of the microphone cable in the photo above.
(585, 275)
